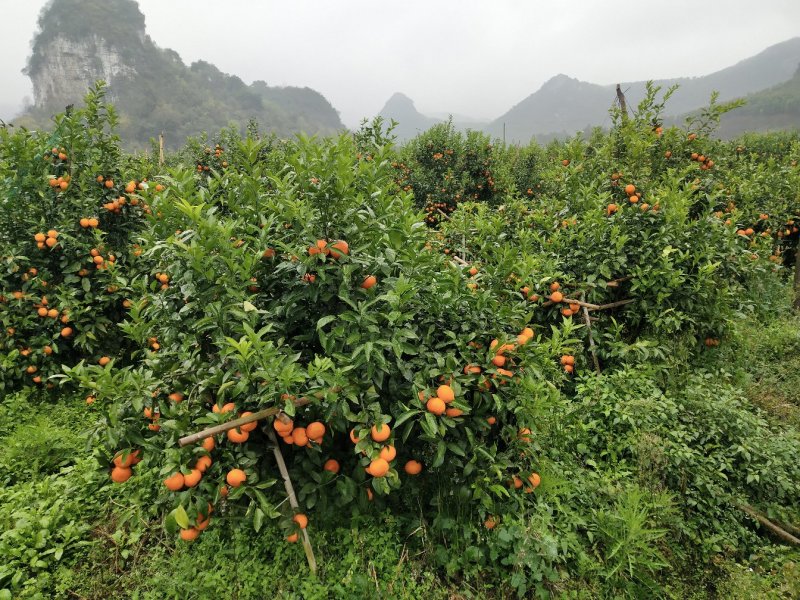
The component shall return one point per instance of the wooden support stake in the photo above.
(588, 320)
(797, 278)
(781, 533)
(615, 304)
(223, 427)
(287, 483)
(623, 105)
(161, 149)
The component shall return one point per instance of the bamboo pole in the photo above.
(223, 427)
(797, 277)
(781, 533)
(287, 483)
(588, 320)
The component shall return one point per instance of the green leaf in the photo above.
(258, 519)
(181, 518)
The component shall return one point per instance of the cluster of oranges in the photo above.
(163, 279)
(300, 436)
(202, 166)
(334, 250)
(380, 466)
(89, 223)
(123, 464)
(705, 162)
(100, 262)
(711, 342)
(49, 240)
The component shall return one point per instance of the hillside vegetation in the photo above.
(153, 89)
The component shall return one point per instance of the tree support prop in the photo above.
(778, 531)
(287, 483)
(223, 427)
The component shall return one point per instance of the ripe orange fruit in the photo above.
(378, 467)
(121, 474)
(283, 429)
(300, 436)
(445, 392)
(104, 360)
(301, 520)
(535, 480)
(291, 538)
(47, 350)
(120, 460)
(208, 444)
(202, 522)
(491, 420)
(556, 297)
(40, 237)
(388, 453)
(189, 535)
(413, 467)
(315, 430)
(235, 477)
(50, 242)
(331, 465)
(473, 271)
(109, 183)
(42, 311)
(174, 482)
(567, 359)
(630, 189)
(524, 435)
(555, 286)
(202, 464)
(370, 281)
(380, 432)
(223, 491)
(436, 406)
(499, 360)
(491, 523)
(353, 437)
(176, 397)
(193, 478)
(237, 436)
(453, 412)
(339, 246)
(52, 313)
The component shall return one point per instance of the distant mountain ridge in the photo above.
(565, 105)
(81, 41)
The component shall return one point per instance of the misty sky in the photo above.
(466, 57)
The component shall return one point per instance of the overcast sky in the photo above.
(467, 57)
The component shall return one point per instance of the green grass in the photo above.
(66, 532)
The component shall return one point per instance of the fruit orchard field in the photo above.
(490, 371)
